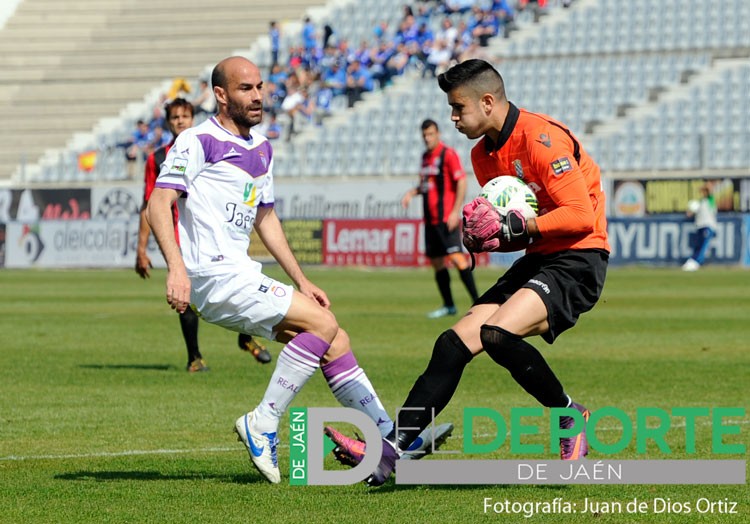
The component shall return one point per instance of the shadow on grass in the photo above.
(151, 367)
(115, 476)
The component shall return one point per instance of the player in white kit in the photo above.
(221, 175)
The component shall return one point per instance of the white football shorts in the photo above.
(241, 300)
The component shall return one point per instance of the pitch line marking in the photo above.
(133, 453)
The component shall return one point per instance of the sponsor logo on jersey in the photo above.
(248, 196)
(265, 285)
(179, 165)
(544, 140)
(561, 165)
(544, 287)
(231, 153)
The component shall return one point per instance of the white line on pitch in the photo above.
(239, 448)
(122, 453)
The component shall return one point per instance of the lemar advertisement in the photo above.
(373, 242)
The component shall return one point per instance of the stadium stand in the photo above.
(655, 87)
(652, 98)
(67, 65)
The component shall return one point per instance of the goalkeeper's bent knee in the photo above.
(500, 345)
(526, 365)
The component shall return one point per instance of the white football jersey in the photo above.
(224, 178)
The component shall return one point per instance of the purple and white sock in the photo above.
(351, 387)
(296, 363)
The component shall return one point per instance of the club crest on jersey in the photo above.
(263, 159)
(518, 167)
(179, 165)
(561, 165)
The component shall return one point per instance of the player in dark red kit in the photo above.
(442, 184)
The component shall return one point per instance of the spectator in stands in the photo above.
(328, 35)
(423, 14)
(537, 7)
(505, 15)
(487, 26)
(448, 33)
(465, 38)
(345, 54)
(296, 57)
(139, 145)
(439, 58)
(704, 213)
(381, 31)
(270, 127)
(179, 116)
(273, 95)
(457, 6)
(278, 74)
(204, 102)
(336, 79)
(158, 118)
(399, 61)
(331, 69)
(161, 138)
(323, 96)
(407, 30)
(309, 35)
(364, 54)
(379, 69)
(180, 88)
(296, 106)
(274, 37)
(424, 35)
(358, 80)
(442, 185)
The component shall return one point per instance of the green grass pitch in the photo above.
(99, 422)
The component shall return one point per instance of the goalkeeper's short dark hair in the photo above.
(477, 74)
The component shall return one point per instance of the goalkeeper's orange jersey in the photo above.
(567, 182)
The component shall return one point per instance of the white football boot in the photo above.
(260, 446)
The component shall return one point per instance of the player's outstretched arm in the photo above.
(159, 213)
(142, 260)
(268, 226)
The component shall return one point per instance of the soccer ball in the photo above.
(693, 206)
(509, 192)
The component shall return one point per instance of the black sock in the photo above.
(189, 324)
(467, 277)
(433, 389)
(526, 365)
(443, 279)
